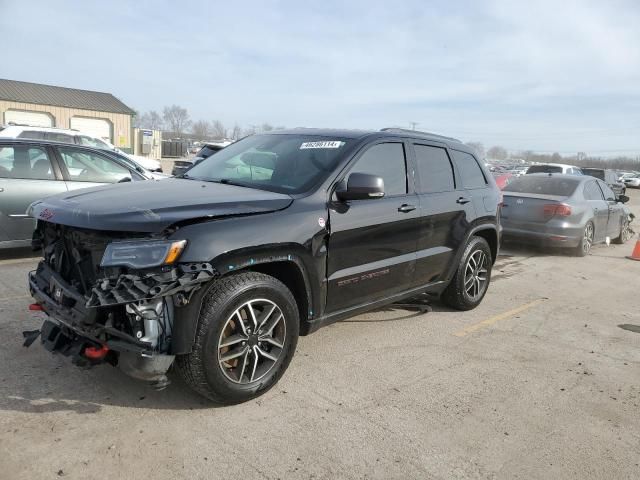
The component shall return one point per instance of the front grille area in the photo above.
(74, 253)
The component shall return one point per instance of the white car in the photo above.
(555, 168)
(624, 176)
(633, 182)
(66, 135)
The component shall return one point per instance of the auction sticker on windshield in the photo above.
(323, 144)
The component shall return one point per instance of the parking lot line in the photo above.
(496, 318)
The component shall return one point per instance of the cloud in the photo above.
(536, 75)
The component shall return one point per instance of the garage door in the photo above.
(96, 127)
(34, 119)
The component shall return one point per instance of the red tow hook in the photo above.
(36, 307)
(96, 353)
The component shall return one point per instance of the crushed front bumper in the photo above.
(76, 323)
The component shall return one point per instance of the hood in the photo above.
(151, 206)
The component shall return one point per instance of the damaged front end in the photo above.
(112, 297)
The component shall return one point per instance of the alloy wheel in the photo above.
(626, 232)
(476, 274)
(588, 238)
(251, 341)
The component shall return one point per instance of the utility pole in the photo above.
(413, 125)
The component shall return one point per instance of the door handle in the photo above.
(462, 200)
(406, 208)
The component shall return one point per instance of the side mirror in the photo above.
(361, 186)
(623, 198)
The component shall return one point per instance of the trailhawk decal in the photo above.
(324, 144)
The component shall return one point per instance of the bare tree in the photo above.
(154, 120)
(218, 129)
(177, 119)
(201, 129)
(266, 127)
(497, 153)
(478, 147)
(150, 120)
(236, 132)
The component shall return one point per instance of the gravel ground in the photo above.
(540, 382)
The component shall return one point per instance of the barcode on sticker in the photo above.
(324, 144)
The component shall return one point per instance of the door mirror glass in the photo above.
(623, 198)
(361, 186)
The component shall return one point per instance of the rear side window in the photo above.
(32, 134)
(594, 172)
(470, 171)
(59, 137)
(22, 161)
(207, 151)
(434, 169)
(385, 160)
(592, 192)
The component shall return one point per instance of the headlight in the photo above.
(142, 254)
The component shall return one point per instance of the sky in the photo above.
(545, 76)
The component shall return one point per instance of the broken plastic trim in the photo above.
(127, 288)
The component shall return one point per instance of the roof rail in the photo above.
(406, 130)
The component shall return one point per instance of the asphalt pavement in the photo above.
(538, 382)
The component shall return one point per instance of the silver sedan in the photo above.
(564, 211)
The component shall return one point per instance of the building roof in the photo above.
(26, 92)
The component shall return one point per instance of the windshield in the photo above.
(594, 172)
(543, 185)
(285, 163)
(544, 169)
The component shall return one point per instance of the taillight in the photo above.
(560, 209)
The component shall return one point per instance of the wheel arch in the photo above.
(289, 268)
(490, 234)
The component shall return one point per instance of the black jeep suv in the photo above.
(273, 237)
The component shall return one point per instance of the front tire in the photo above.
(586, 242)
(471, 280)
(246, 336)
(625, 232)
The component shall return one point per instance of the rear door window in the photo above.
(25, 162)
(434, 169)
(470, 171)
(386, 160)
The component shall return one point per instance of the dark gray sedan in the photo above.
(564, 211)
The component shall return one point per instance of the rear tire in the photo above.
(471, 280)
(246, 336)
